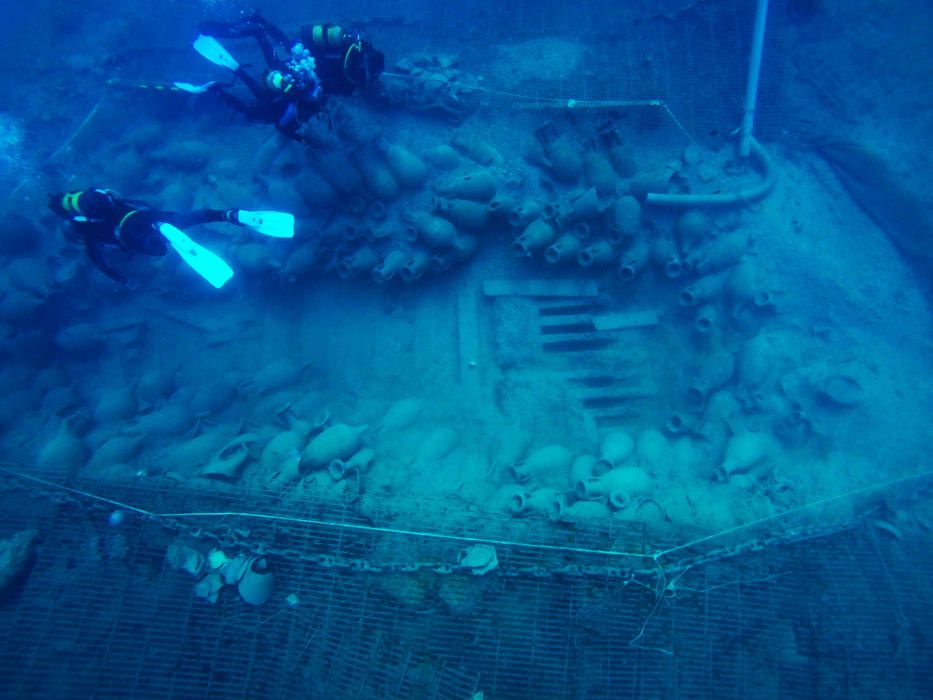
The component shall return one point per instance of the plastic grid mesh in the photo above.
(102, 615)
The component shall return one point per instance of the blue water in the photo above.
(533, 294)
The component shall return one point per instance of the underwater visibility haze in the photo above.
(466, 350)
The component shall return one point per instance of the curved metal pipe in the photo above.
(750, 194)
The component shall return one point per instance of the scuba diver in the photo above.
(299, 76)
(100, 218)
(345, 60)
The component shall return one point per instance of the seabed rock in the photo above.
(15, 557)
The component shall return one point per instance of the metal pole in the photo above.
(751, 87)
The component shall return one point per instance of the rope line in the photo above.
(656, 556)
(314, 521)
(555, 102)
(568, 103)
(798, 509)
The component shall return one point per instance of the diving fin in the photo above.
(194, 89)
(207, 264)
(212, 50)
(277, 224)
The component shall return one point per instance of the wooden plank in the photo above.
(597, 339)
(562, 307)
(618, 412)
(618, 393)
(626, 319)
(558, 321)
(597, 377)
(468, 340)
(590, 428)
(541, 288)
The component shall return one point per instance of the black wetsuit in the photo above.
(102, 219)
(288, 111)
(343, 62)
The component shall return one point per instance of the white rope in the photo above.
(656, 556)
(555, 102)
(57, 151)
(314, 521)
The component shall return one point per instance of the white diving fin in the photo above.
(194, 89)
(212, 50)
(207, 264)
(277, 224)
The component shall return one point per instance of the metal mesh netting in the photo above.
(382, 613)
(692, 56)
(696, 66)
